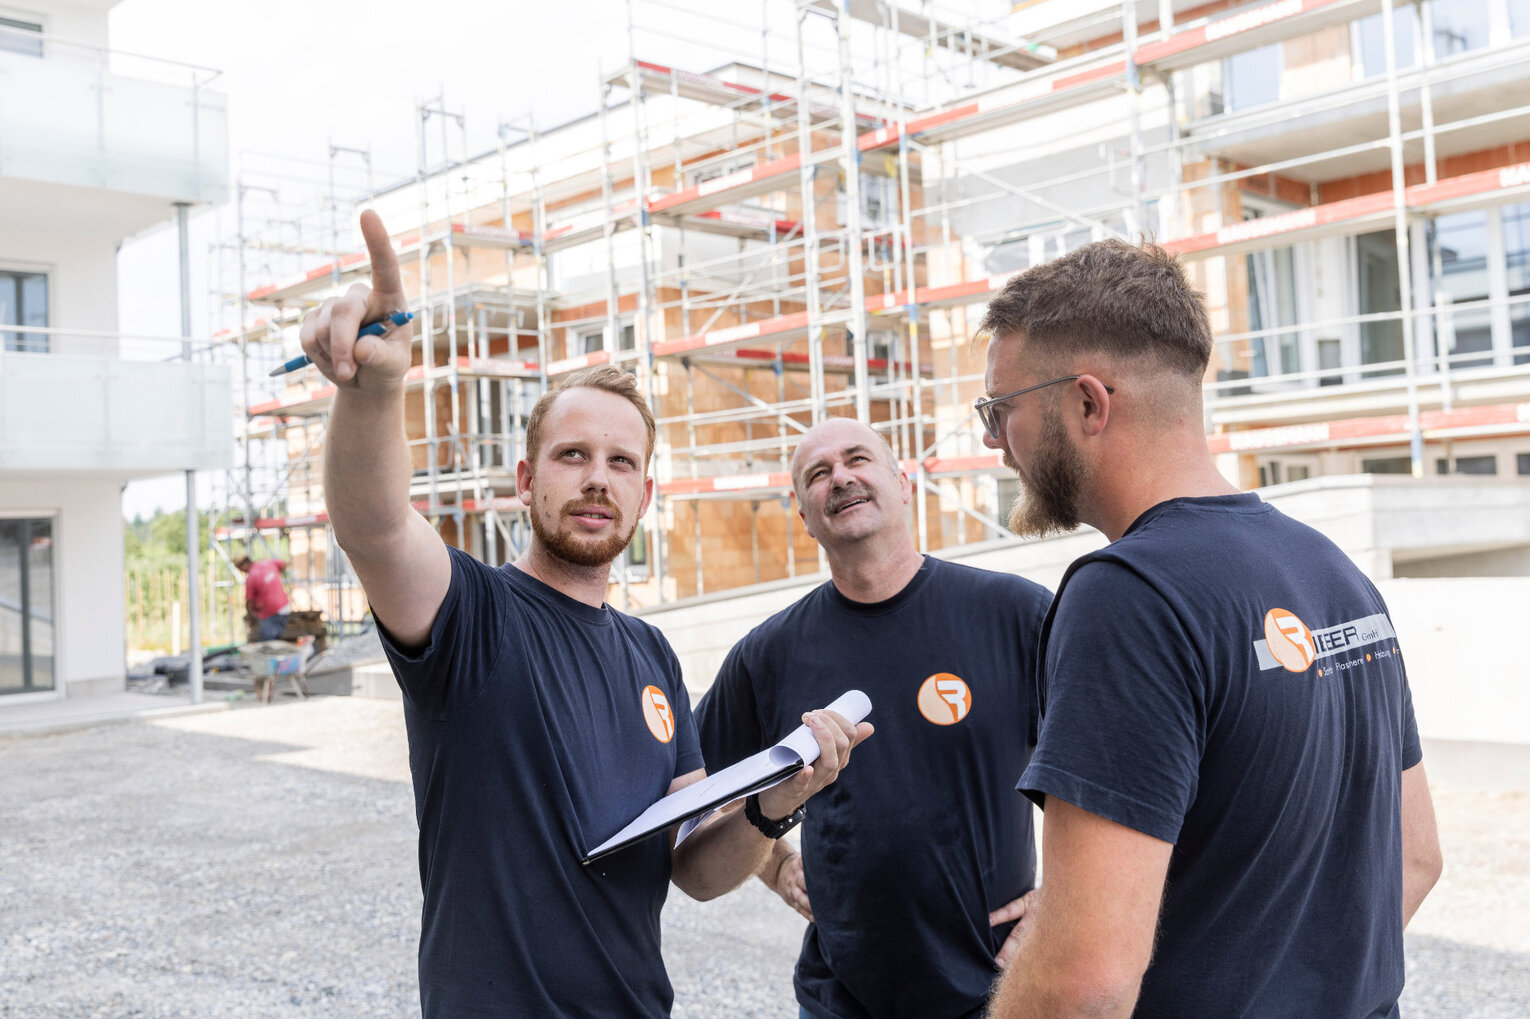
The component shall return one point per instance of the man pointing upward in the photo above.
(540, 720)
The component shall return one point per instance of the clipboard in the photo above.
(690, 806)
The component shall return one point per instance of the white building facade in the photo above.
(95, 146)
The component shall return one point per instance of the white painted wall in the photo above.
(87, 561)
(1462, 641)
(77, 22)
(82, 281)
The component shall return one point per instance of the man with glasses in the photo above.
(1237, 819)
(913, 870)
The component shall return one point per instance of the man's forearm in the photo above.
(366, 470)
(780, 851)
(720, 855)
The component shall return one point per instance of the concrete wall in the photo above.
(1460, 638)
(87, 574)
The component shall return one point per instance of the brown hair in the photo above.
(606, 377)
(1110, 297)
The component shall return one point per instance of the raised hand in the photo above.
(328, 334)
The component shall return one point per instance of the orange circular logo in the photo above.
(656, 712)
(944, 699)
(1289, 640)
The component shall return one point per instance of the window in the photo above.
(1271, 305)
(1379, 291)
(1523, 460)
(1369, 41)
(1252, 78)
(1387, 465)
(635, 557)
(629, 337)
(24, 302)
(1459, 263)
(1298, 472)
(1459, 26)
(589, 343)
(1516, 257)
(1006, 492)
(1486, 464)
(1330, 360)
(1519, 18)
(20, 36)
(26, 605)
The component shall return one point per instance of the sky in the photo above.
(301, 75)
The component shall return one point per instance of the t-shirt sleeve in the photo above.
(1123, 732)
(1030, 661)
(728, 716)
(1412, 749)
(465, 642)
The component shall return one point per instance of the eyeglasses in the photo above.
(988, 410)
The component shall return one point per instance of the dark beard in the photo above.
(562, 545)
(1048, 499)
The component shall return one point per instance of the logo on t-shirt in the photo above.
(944, 699)
(1289, 644)
(1289, 640)
(656, 712)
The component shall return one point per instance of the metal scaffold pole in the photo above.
(808, 180)
(643, 326)
(850, 157)
(193, 521)
(1400, 228)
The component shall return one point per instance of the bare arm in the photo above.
(401, 561)
(784, 874)
(1421, 857)
(722, 854)
(1089, 937)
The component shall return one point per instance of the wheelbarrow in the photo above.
(270, 660)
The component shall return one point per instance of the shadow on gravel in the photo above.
(168, 873)
(1453, 980)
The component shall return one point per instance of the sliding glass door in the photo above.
(26, 605)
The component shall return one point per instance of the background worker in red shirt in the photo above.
(264, 594)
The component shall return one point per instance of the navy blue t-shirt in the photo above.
(1225, 679)
(923, 834)
(538, 727)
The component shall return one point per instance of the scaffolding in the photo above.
(773, 241)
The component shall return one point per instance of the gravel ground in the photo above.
(260, 862)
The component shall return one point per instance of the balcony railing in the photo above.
(111, 405)
(72, 113)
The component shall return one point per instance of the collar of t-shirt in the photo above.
(877, 608)
(556, 599)
(1241, 502)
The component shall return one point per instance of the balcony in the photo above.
(74, 116)
(104, 406)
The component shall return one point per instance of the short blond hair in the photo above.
(605, 377)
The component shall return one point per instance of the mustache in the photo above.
(595, 502)
(848, 496)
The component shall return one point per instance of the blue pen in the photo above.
(377, 328)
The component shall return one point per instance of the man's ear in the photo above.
(523, 481)
(1094, 406)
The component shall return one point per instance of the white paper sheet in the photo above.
(692, 804)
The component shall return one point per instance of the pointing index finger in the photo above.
(385, 278)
